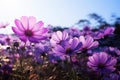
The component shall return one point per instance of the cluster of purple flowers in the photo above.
(78, 53)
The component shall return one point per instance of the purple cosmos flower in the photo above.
(99, 34)
(8, 39)
(109, 31)
(74, 32)
(88, 42)
(86, 31)
(87, 28)
(70, 48)
(114, 76)
(113, 51)
(28, 29)
(101, 62)
(43, 48)
(40, 51)
(59, 37)
(2, 35)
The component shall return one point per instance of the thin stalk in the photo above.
(73, 69)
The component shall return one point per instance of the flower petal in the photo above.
(110, 68)
(53, 42)
(59, 35)
(40, 37)
(94, 44)
(54, 37)
(58, 53)
(23, 38)
(32, 39)
(103, 57)
(74, 43)
(38, 26)
(91, 64)
(89, 41)
(65, 35)
(82, 39)
(59, 49)
(25, 22)
(96, 57)
(32, 22)
(79, 46)
(41, 32)
(92, 60)
(17, 31)
(19, 25)
(111, 62)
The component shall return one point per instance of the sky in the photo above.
(55, 12)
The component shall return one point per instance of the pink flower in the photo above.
(3, 25)
(88, 42)
(101, 62)
(109, 31)
(59, 37)
(30, 30)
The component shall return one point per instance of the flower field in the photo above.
(37, 52)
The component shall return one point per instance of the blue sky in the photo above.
(55, 12)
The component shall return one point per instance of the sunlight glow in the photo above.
(63, 13)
